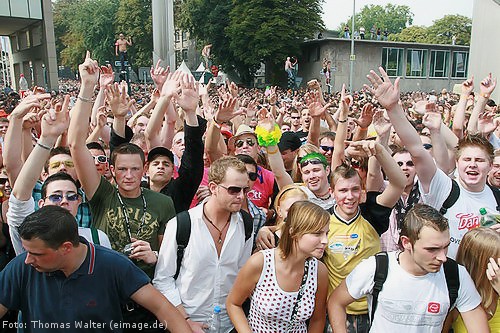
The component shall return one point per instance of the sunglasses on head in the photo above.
(235, 190)
(427, 146)
(101, 158)
(311, 161)
(249, 141)
(327, 148)
(253, 176)
(58, 198)
(57, 164)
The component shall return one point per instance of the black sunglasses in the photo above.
(235, 190)
(253, 176)
(4, 180)
(327, 148)
(249, 141)
(408, 163)
(58, 198)
(311, 161)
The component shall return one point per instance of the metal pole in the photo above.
(351, 67)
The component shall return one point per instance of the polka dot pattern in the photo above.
(271, 307)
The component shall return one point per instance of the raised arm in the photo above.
(382, 125)
(459, 118)
(388, 96)
(316, 110)
(432, 120)
(364, 120)
(486, 88)
(77, 133)
(338, 156)
(107, 77)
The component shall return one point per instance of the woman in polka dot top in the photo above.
(287, 285)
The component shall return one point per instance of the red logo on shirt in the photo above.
(467, 221)
(433, 307)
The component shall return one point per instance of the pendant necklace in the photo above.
(213, 225)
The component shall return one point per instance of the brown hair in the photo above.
(304, 217)
(219, 168)
(302, 151)
(288, 191)
(475, 140)
(344, 171)
(422, 216)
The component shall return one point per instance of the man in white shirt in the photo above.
(216, 251)
(414, 297)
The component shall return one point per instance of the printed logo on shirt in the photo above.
(467, 221)
(433, 307)
(254, 195)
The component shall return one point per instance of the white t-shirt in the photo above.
(464, 214)
(408, 303)
(326, 204)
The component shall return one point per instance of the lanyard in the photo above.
(127, 218)
(299, 296)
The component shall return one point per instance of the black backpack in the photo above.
(455, 193)
(382, 267)
(184, 231)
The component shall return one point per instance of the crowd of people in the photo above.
(285, 210)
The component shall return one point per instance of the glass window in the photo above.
(185, 55)
(4, 8)
(177, 36)
(36, 9)
(459, 64)
(184, 35)
(314, 54)
(416, 62)
(19, 8)
(440, 63)
(178, 58)
(392, 61)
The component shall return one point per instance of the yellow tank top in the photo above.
(494, 322)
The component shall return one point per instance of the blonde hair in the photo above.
(476, 248)
(304, 217)
(288, 191)
(218, 169)
(303, 150)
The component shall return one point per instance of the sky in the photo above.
(425, 11)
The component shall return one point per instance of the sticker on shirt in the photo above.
(347, 245)
(254, 195)
(467, 221)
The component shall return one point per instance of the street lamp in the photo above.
(352, 56)
(44, 77)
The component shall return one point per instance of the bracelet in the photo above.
(484, 95)
(266, 138)
(84, 99)
(216, 124)
(272, 152)
(41, 145)
(342, 121)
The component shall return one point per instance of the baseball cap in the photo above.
(160, 151)
(289, 140)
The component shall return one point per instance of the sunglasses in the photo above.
(235, 190)
(427, 146)
(295, 117)
(355, 164)
(249, 141)
(327, 148)
(409, 163)
(101, 158)
(58, 198)
(57, 164)
(4, 180)
(253, 176)
(314, 161)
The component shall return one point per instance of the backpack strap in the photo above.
(248, 223)
(452, 197)
(381, 270)
(182, 237)
(496, 193)
(452, 280)
(95, 236)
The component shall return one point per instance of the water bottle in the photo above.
(487, 220)
(214, 324)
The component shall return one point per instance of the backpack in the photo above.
(382, 267)
(455, 193)
(184, 231)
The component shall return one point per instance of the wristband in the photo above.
(272, 152)
(84, 99)
(487, 96)
(41, 145)
(216, 124)
(342, 121)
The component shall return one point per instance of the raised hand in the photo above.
(493, 273)
(233, 88)
(159, 74)
(31, 119)
(364, 148)
(56, 121)
(381, 123)
(172, 85)
(432, 119)
(107, 76)
(117, 100)
(487, 86)
(266, 119)
(227, 110)
(366, 116)
(468, 86)
(316, 109)
(89, 71)
(189, 97)
(486, 123)
(382, 88)
(31, 102)
(101, 117)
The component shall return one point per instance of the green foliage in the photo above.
(442, 30)
(394, 18)
(245, 33)
(413, 34)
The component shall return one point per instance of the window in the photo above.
(440, 62)
(459, 65)
(392, 61)
(177, 36)
(4, 8)
(184, 35)
(178, 58)
(185, 55)
(19, 8)
(416, 63)
(314, 54)
(35, 7)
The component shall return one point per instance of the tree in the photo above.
(394, 18)
(413, 34)
(442, 30)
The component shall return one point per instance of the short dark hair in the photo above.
(96, 145)
(57, 176)
(127, 149)
(247, 159)
(421, 216)
(53, 225)
(56, 151)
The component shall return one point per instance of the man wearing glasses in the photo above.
(216, 251)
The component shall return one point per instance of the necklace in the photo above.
(126, 216)
(213, 225)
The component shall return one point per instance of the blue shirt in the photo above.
(88, 300)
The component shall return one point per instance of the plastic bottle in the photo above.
(214, 324)
(487, 220)
(23, 84)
